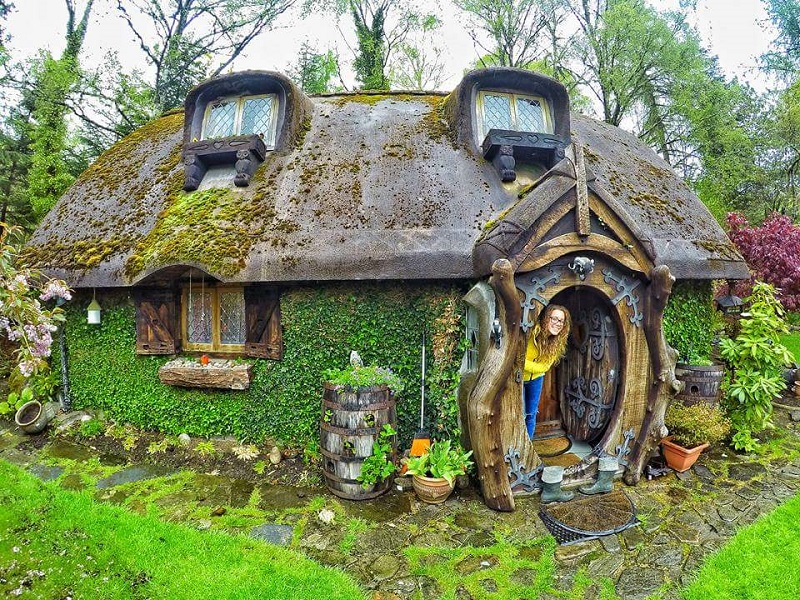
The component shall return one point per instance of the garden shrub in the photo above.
(773, 253)
(757, 360)
(29, 315)
(383, 322)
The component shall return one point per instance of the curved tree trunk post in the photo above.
(662, 362)
(489, 396)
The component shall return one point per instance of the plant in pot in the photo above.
(692, 429)
(434, 473)
(362, 377)
(379, 466)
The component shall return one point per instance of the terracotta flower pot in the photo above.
(679, 458)
(433, 490)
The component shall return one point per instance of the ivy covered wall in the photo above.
(691, 322)
(322, 324)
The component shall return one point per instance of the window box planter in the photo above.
(218, 373)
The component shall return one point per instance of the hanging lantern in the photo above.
(93, 313)
(730, 304)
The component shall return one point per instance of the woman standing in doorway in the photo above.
(547, 343)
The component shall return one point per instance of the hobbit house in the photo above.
(212, 219)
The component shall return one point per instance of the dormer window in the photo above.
(512, 112)
(246, 115)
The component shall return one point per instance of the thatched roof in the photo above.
(378, 187)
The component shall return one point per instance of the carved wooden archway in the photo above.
(506, 460)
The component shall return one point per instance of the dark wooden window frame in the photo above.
(160, 322)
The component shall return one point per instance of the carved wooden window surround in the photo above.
(236, 130)
(516, 127)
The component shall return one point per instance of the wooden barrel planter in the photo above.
(701, 383)
(351, 422)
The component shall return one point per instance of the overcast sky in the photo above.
(729, 28)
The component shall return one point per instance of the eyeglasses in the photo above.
(557, 321)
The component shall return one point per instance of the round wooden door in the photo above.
(588, 375)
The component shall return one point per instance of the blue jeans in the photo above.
(531, 393)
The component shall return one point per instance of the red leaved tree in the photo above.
(773, 253)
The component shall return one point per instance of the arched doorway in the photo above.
(582, 392)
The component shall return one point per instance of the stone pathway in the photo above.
(683, 517)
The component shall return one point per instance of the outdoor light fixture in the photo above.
(730, 304)
(93, 312)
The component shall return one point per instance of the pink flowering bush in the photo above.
(773, 253)
(28, 320)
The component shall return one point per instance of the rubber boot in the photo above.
(551, 486)
(605, 477)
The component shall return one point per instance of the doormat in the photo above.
(552, 446)
(589, 517)
(562, 460)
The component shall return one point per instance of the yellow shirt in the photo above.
(533, 367)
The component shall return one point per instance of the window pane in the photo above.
(231, 317)
(529, 115)
(257, 117)
(219, 122)
(199, 316)
(496, 112)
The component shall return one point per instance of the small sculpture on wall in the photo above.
(581, 266)
(505, 163)
(244, 168)
(194, 170)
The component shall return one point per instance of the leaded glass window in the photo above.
(529, 114)
(231, 317)
(497, 110)
(220, 120)
(257, 116)
(214, 318)
(242, 116)
(199, 317)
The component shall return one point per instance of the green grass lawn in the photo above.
(792, 342)
(55, 543)
(759, 563)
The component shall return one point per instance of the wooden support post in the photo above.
(484, 407)
(662, 360)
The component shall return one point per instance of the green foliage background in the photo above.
(321, 326)
(690, 321)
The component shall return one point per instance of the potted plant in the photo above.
(692, 429)
(434, 473)
(379, 466)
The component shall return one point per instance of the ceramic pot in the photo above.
(433, 490)
(32, 417)
(679, 458)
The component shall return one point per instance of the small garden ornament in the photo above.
(551, 486)
(607, 468)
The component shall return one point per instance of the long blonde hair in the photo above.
(551, 346)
